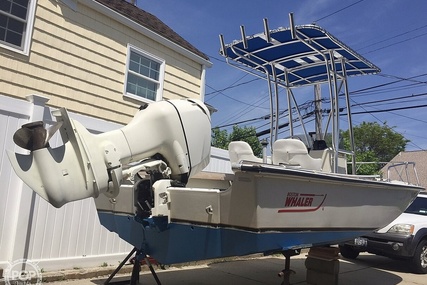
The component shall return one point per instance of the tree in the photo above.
(221, 138)
(374, 143)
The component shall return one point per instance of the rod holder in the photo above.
(292, 25)
(244, 39)
(223, 49)
(267, 31)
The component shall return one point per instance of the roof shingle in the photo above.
(150, 22)
(418, 157)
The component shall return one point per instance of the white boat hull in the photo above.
(268, 207)
(278, 198)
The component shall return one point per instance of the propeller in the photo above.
(34, 136)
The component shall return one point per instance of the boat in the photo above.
(150, 187)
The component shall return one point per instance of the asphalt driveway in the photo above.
(367, 269)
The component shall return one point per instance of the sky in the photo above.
(392, 34)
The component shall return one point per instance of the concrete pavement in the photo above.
(367, 269)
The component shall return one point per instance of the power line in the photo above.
(398, 79)
(229, 97)
(366, 90)
(333, 13)
(388, 110)
(306, 104)
(405, 78)
(244, 121)
(393, 37)
(390, 99)
(233, 85)
(354, 113)
(309, 114)
(399, 42)
(267, 131)
(354, 93)
(244, 111)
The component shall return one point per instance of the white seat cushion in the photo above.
(293, 151)
(240, 150)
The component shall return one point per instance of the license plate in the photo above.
(359, 241)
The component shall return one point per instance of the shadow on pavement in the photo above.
(368, 271)
(383, 263)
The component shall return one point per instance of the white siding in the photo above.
(78, 59)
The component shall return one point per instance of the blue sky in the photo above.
(391, 34)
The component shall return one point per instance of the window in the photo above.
(144, 75)
(418, 206)
(16, 20)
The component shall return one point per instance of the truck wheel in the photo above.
(349, 251)
(419, 261)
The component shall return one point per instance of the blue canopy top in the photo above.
(296, 61)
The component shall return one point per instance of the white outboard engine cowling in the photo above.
(179, 131)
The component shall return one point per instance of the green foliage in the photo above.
(374, 143)
(221, 138)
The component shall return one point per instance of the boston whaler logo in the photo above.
(302, 202)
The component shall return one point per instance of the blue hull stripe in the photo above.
(182, 242)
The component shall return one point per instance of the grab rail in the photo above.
(404, 167)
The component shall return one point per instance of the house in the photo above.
(101, 59)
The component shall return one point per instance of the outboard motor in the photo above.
(176, 131)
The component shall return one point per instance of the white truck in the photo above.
(404, 238)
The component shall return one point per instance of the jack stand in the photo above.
(107, 282)
(287, 272)
(136, 267)
(140, 254)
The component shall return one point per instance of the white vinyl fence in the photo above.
(30, 228)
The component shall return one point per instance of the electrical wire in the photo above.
(369, 90)
(396, 43)
(233, 85)
(336, 12)
(393, 37)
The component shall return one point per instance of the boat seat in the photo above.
(293, 151)
(240, 150)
